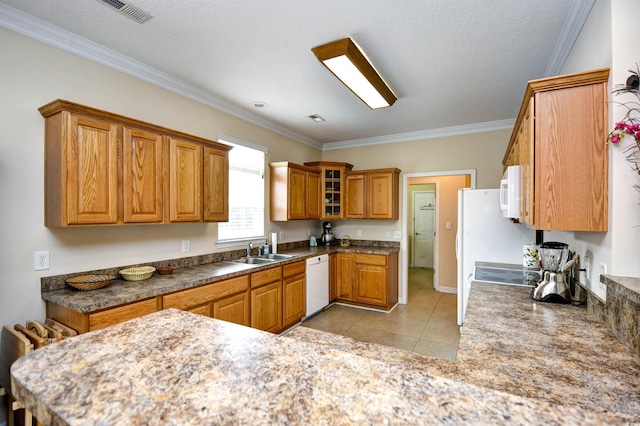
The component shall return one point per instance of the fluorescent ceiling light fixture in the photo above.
(347, 62)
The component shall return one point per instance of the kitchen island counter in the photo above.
(557, 353)
(173, 367)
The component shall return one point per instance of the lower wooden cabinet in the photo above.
(344, 276)
(333, 277)
(367, 279)
(233, 309)
(204, 310)
(266, 307)
(294, 288)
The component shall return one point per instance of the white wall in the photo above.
(33, 74)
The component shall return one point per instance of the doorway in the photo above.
(423, 234)
(445, 261)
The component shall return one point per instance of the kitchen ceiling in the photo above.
(456, 66)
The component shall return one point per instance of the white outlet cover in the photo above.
(186, 246)
(388, 234)
(397, 234)
(41, 260)
(358, 233)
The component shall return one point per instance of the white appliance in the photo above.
(317, 283)
(484, 236)
(510, 192)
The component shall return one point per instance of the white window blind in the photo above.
(246, 193)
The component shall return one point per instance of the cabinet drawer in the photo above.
(266, 276)
(371, 259)
(206, 293)
(294, 269)
(123, 313)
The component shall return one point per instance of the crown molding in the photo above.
(52, 35)
(570, 32)
(423, 134)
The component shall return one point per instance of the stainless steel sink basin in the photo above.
(276, 256)
(253, 260)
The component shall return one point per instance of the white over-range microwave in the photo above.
(510, 193)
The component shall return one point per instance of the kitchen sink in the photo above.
(253, 260)
(276, 256)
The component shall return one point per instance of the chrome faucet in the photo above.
(249, 248)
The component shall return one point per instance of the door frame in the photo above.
(413, 222)
(404, 241)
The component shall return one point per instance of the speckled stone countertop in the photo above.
(121, 292)
(177, 368)
(560, 354)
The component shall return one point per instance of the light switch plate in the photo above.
(186, 246)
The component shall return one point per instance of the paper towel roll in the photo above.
(274, 242)
(530, 256)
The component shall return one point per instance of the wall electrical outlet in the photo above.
(388, 234)
(281, 235)
(186, 246)
(447, 225)
(358, 233)
(41, 260)
(397, 234)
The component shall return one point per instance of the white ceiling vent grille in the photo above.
(128, 10)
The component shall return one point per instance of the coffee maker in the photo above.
(327, 237)
(554, 286)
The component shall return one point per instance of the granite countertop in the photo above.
(121, 292)
(559, 354)
(175, 368)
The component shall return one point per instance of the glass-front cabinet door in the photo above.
(332, 187)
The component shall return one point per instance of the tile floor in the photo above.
(426, 324)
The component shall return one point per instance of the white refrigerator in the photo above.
(485, 236)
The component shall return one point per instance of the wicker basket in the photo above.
(90, 282)
(137, 274)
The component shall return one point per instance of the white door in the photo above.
(424, 208)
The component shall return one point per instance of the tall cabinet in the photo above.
(559, 140)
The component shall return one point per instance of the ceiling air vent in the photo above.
(128, 10)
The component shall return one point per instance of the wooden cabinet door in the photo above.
(382, 203)
(233, 309)
(571, 161)
(216, 185)
(356, 196)
(313, 196)
(294, 305)
(344, 279)
(142, 176)
(266, 307)
(92, 171)
(371, 284)
(333, 277)
(185, 181)
(526, 147)
(297, 194)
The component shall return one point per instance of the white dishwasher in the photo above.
(317, 284)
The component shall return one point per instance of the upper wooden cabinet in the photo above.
(106, 169)
(373, 194)
(559, 140)
(332, 188)
(295, 192)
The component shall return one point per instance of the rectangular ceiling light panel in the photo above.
(348, 63)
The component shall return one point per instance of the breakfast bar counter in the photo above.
(556, 353)
(173, 367)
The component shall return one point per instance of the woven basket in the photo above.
(90, 282)
(137, 274)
